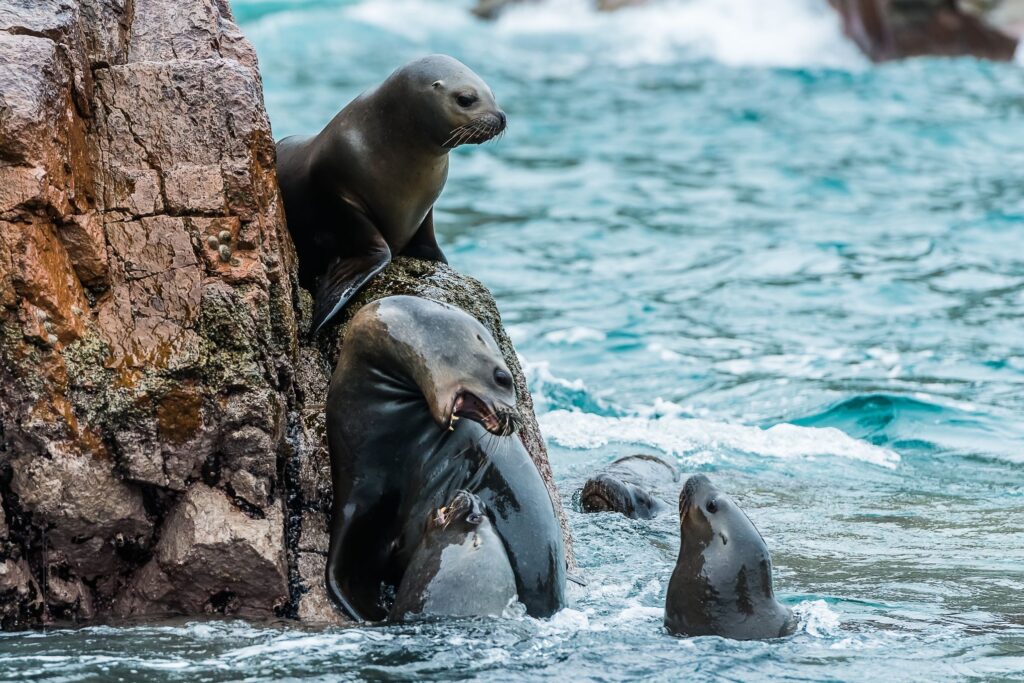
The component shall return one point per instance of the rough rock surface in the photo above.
(893, 29)
(161, 439)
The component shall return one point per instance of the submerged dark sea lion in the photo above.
(363, 189)
(408, 371)
(625, 486)
(459, 569)
(722, 583)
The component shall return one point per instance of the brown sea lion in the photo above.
(422, 405)
(363, 189)
(459, 569)
(626, 486)
(722, 582)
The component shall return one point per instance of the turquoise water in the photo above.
(717, 234)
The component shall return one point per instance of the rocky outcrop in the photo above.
(893, 29)
(161, 440)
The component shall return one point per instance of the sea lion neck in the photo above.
(396, 121)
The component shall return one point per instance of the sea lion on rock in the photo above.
(722, 582)
(459, 569)
(625, 486)
(364, 188)
(409, 369)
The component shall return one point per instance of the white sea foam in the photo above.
(787, 33)
(737, 32)
(702, 441)
(412, 19)
(817, 618)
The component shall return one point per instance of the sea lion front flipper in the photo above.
(344, 277)
(423, 244)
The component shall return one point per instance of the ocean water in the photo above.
(717, 234)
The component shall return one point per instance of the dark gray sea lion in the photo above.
(626, 486)
(364, 188)
(459, 569)
(408, 371)
(722, 583)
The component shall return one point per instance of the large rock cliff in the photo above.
(161, 438)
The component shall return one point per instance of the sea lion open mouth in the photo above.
(498, 420)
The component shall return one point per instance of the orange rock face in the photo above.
(130, 133)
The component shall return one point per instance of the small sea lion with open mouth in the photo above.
(459, 569)
(363, 189)
(722, 582)
(626, 486)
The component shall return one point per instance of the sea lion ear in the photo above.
(437, 84)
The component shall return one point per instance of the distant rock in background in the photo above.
(161, 441)
(893, 29)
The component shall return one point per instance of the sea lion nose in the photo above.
(502, 119)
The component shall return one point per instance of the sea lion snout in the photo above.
(464, 506)
(694, 491)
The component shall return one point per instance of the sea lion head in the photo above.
(626, 486)
(605, 492)
(458, 106)
(465, 512)
(722, 582)
(715, 530)
(444, 354)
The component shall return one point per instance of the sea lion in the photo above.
(722, 582)
(364, 188)
(625, 486)
(459, 569)
(409, 369)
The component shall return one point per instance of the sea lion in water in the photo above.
(722, 582)
(409, 369)
(625, 486)
(364, 188)
(459, 569)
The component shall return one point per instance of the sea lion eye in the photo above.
(503, 378)
(465, 101)
(712, 506)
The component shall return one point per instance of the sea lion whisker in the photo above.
(455, 132)
(467, 135)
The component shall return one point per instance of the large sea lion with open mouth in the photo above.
(363, 189)
(459, 569)
(722, 582)
(420, 406)
(627, 485)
